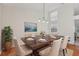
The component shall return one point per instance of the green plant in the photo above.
(7, 34)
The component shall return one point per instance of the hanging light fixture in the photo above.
(44, 20)
(43, 13)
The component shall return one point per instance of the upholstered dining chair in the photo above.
(0, 52)
(53, 50)
(64, 44)
(21, 50)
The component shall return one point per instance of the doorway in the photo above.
(77, 32)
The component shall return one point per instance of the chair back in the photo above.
(17, 47)
(56, 47)
(64, 42)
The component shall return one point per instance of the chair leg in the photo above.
(66, 50)
(63, 52)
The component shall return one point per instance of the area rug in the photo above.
(68, 53)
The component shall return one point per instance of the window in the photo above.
(53, 21)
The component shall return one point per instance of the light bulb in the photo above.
(43, 21)
(47, 22)
(38, 20)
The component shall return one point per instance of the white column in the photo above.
(66, 21)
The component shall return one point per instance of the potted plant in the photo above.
(7, 34)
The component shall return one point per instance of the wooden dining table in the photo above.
(37, 45)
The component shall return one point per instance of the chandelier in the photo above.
(43, 19)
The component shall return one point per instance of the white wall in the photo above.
(16, 16)
(0, 24)
(66, 21)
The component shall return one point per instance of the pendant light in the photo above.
(43, 19)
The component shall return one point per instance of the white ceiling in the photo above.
(35, 6)
(39, 6)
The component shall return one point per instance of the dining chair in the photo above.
(64, 44)
(53, 50)
(21, 50)
(52, 36)
(0, 52)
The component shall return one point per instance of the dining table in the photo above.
(37, 45)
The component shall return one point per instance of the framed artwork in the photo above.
(30, 27)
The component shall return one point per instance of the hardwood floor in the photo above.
(10, 52)
(70, 46)
(74, 48)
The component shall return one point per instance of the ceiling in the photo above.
(35, 6)
(39, 6)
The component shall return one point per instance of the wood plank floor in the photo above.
(69, 46)
(10, 52)
(74, 48)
